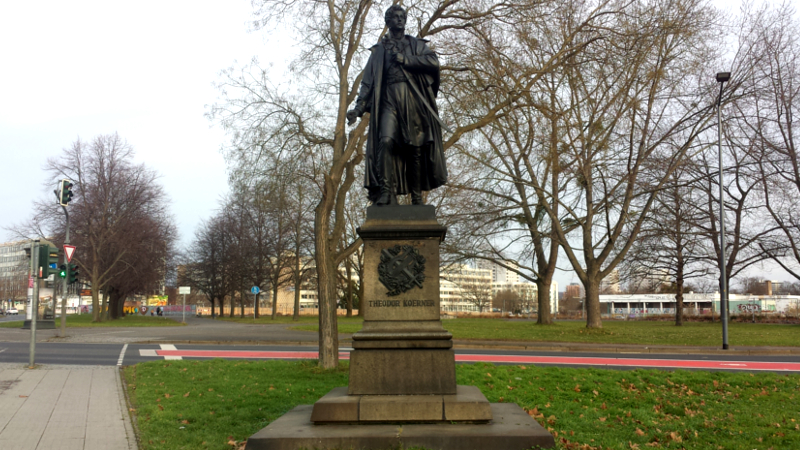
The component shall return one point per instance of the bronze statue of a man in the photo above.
(399, 88)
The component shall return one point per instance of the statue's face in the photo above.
(396, 20)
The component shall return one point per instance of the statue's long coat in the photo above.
(423, 66)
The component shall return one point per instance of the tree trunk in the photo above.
(543, 301)
(297, 285)
(105, 304)
(256, 312)
(326, 288)
(113, 305)
(274, 299)
(241, 300)
(95, 292)
(592, 302)
(213, 309)
(349, 287)
(95, 305)
(679, 295)
(233, 305)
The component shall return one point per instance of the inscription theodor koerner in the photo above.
(401, 268)
(400, 303)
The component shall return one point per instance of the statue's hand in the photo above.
(400, 58)
(352, 115)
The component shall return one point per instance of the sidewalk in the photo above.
(63, 407)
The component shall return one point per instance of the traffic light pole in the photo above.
(34, 301)
(66, 281)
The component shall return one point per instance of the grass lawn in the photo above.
(85, 320)
(218, 404)
(613, 332)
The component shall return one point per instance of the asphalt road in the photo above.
(205, 338)
(127, 354)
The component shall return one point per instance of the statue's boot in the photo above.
(415, 176)
(385, 175)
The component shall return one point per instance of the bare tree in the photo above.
(204, 266)
(671, 242)
(766, 111)
(632, 112)
(119, 219)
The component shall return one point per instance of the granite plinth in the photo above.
(468, 404)
(510, 429)
(40, 324)
(402, 371)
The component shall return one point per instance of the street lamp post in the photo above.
(722, 77)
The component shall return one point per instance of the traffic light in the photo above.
(48, 260)
(65, 192)
(73, 273)
(62, 271)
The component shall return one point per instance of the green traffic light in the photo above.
(62, 271)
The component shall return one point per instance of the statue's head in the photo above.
(395, 17)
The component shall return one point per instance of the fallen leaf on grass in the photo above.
(602, 419)
(161, 407)
(640, 432)
(675, 437)
(633, 446)
(186, 394)
(166, 395)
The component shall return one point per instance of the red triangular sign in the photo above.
(69, 250)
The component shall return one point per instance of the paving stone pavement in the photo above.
(63, 407)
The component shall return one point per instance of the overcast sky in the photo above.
(143, 69)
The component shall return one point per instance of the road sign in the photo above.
(184, 290)
(255, 290)
(69, 250)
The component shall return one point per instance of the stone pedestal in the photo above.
(511, 429)
(41, 324)
(402, 348)
(402, 389)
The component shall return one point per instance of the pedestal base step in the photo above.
(467, 405)
(511, 429)
(40, 325)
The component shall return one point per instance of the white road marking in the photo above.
(148, 352)
(170, 347)
(3, 349)
(122, 354)
(735, 365)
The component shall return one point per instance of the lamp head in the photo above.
(723, 77)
